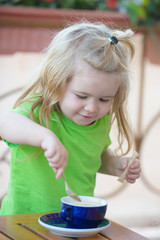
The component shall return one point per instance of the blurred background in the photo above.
(26, 28)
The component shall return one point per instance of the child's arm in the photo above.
(115, 166)
(19, 129)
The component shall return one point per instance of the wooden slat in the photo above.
(118, 232)
(26, 227)
(9, 226)
(95, 237)
(3, 237)
(16, 232)
(41, 231)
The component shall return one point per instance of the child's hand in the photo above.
(55, 153)
(133, 170)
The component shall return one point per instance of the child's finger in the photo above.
(134, 170)
(131, 161)
(131, 178)
(136, 164)
(124, 163)
(59, 172)
(55, 170)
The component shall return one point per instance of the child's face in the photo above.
(89, 94)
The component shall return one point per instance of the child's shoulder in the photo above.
(25, 107)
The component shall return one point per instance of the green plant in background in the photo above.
(71, 4)
(145, 12)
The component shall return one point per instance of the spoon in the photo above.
(70, 192)
(133, 158)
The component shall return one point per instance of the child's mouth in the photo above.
(87, 117)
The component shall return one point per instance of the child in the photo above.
(61, 123)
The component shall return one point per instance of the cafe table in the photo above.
(27, 227)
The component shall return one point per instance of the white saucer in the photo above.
(58, 226)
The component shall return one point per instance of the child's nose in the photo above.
(91, 107)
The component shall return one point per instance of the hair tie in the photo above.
(113, 40)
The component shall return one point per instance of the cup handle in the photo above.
(66, 214)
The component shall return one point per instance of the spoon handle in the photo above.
(132, 160)
(70, 192)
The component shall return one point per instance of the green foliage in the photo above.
(74, 4)
(146, 12)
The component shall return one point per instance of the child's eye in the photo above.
(104, 100)
(80, 96)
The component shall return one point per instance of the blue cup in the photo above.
(88, 213)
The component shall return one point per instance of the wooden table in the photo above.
(26, 227)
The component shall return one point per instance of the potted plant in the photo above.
(146, 15)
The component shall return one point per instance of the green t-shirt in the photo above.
(33, 186)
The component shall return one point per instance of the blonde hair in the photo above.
(88, 41)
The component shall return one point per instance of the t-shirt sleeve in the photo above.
(108, 125)
(23, 109)
(9, 143)
(108, 142)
